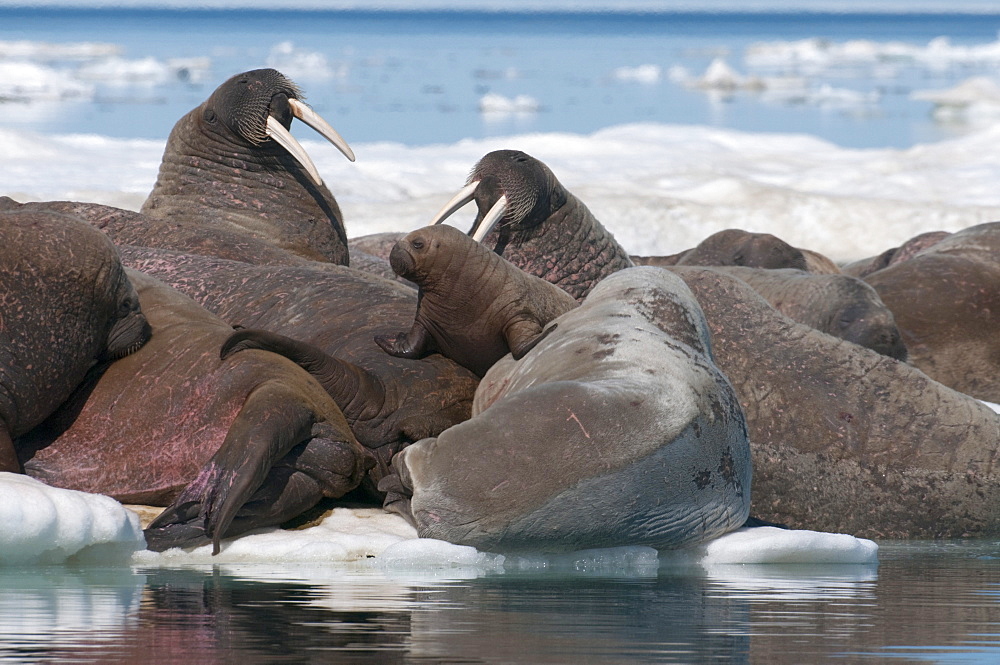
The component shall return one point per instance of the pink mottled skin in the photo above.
(174, 415)
(339, 311)
(65, 305)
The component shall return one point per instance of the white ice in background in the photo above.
(647, 74)
(42, 524)
(33, 82)
(297, 63)
(975, 100)
(149, 71)
(24, 49)
(995, 407)
(493, 103)
(660, 189)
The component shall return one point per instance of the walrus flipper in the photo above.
(351, 387)
(269, 425)
(522, 336)
(414, 344)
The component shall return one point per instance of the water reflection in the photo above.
(931, 604)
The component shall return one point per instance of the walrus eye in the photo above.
(417, 244)
(210, 116)
(738, 259)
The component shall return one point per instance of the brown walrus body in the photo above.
(236, 444)
(474, 306)
(845, 439)
(227, 172)
(837, 304)
(529, 218)
(946, 302)
(66, 305)
(617, 429)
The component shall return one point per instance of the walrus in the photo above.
(946, 302)
(473, 305)
(837, 304)
(231, 166)
(389, 402)
(227, 444)
(67, 305)
(529, 218)
(735, 247)
(845, 439)
(909, 249)
(617, 429)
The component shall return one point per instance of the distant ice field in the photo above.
(857, 78)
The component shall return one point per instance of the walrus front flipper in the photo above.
(414, 344)
(523, 338)
(273, 420)
(352, 388)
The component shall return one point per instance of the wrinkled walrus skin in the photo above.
(946, 302)
(837, 304)
(66, 305)
(233, 444)
(388, 401)
(222, 172)
(847, 440)
(616, 429)
(544, 230)
(735, 247)
(473, 305)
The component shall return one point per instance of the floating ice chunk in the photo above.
(40, 524)
(773, 545)
(123, 71)
(297, 63)
(31, 82)
(647, 74)
(969, 91)
(720, 76)
(345, 535)
(428, 554)
(498, 104)
(48, 51)
(976, 98)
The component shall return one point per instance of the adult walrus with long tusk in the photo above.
(232, 166)
(530, 219)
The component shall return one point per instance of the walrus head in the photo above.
(511, 189)
(736, 247)
(258, 106)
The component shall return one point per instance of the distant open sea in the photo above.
(419, 77)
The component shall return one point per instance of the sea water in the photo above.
(846, 133)
(420, 77)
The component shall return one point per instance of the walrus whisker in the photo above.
(463, 196)
(277, 131)
(491, 218)
(305, 113)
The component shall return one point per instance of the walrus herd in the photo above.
(230, 354)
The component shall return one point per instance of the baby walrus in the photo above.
(473, 305)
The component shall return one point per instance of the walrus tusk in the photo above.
(305, 113)
(495, 214)
(278, 132)
(463, 196)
